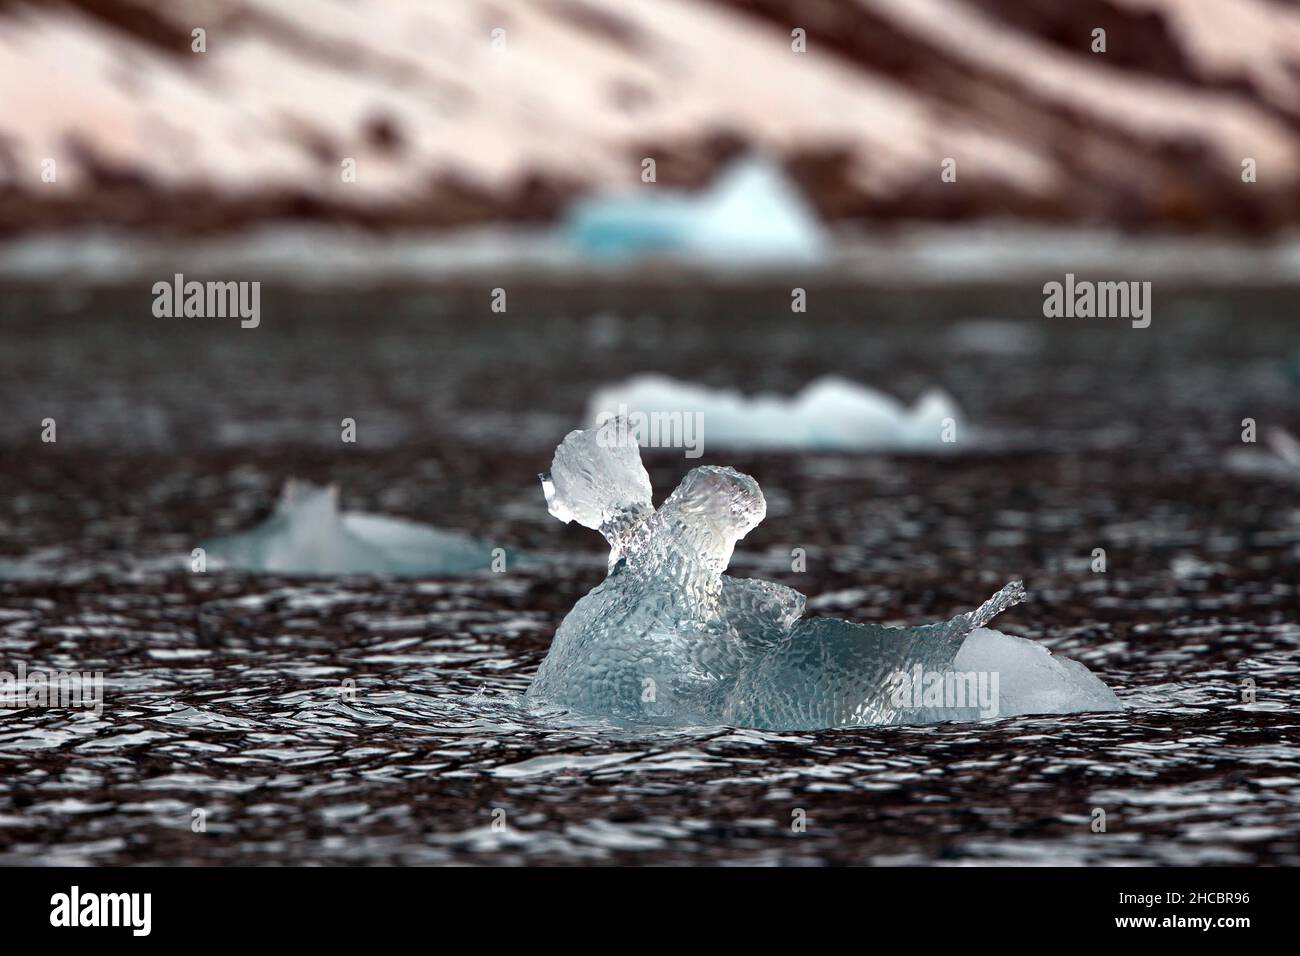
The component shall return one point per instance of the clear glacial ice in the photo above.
(308, 533)
(829, 413)
(751, 214)
(668, 638)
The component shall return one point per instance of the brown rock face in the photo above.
(205, 116)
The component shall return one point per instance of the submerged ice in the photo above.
(829, 413)
(667, 637)
(307, 533)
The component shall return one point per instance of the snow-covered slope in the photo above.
(479, 111)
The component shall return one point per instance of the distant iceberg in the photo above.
(829, 414)
(308, 534)
(751, 214)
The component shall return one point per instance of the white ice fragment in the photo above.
(830, 413)
(308, 534)
(1031, 679)
(752, 214)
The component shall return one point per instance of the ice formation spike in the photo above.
(597, 479)
(712, 509)
(1010, 595)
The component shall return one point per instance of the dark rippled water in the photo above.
(230, 693)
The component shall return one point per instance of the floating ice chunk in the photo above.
(751, 214)
(308, 534)
(829, 413)
(668, 638)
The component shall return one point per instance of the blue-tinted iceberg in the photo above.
(307, 533)
(828, 414)
(668, 638)
(751, 214)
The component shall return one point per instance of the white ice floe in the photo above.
(751, 214)
(308, 534)
(830, 413)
